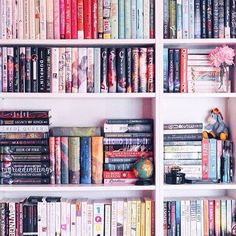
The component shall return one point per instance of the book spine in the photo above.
(97, 69)
(4, 72)
(114, 19)
(82, 70)
(64, 160)
(209, 19)
(31, 19)
(114, 217)
(233, 19)
(227, 18)
(172, 12)
(121, 19)
(43, 19)
(34, 70)
(143, 70)
(56, 19)
(62, 70)
(49, 19)
(186, 27)
(191, 21)
(183, 70)
(37, 18)
(97, 160)
(68, 68)
(147, 22)
(74, 12)
(128, 21)
(134, 19)
(3, 20)
(223, 217)
(219, 152)
(215, 18)
(90, 71)
(129, 70)
(229, 216)
(203, 19)
(205, 152)
(16, 77)
(135, 70)
(16, 114)
(94, 21)
(112, 74)
(212, 159)
(152, 19)
(121, 69)
(165, 70)
(197, 19)
(10, 68)
(62, 19)
(126, 141)
(166, 20)
(87, 19)
(179, 28)
(1, 65)
(52, 159)
(118, 167)
(68, 16)
(9, 16)
(80, 19)
(55, 70)
(171, 70)
(129, 149)
(176, 70)
(58, 160)
(104, 70)
(41, 70)
(221, 19)
(74, 70)
(100, 19)
(98, 218)
(28, 70)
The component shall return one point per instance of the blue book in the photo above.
(165, 70)
(166, 20)
(140, 19)
(121, 19)
(178, 218)
(133, 19)
(212, 159)
(128, 22)
(85, 160)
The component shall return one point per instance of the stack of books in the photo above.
(24, 154)
(189, 70)
(77, 70)
(200, 217)
(60, 216)
(76, 155)
(125, 141)
(183, 147)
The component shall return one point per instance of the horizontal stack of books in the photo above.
(125, 142)
(60, 216)
(76, 155)
(200, 217)
(77, 70)
(24, 153)
(182, 147)
(77, 19)
(184, 19)
(189, 70)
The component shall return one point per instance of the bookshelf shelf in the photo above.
(76, 42)
(199, 95)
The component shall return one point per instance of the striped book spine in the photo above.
(114, 19)
(133, 19)
(31, 19)
(56, 19)
(140, 20)
(43, 19)
(62, 19)
(121, 19)
(146, 19)
(64, 160)
(75, 70)
(97, 69)
(128, 21)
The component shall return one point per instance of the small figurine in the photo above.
(216, 127)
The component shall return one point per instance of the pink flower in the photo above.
(221, 56)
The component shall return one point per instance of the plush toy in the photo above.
(216, 127)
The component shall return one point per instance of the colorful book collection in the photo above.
(24, 154)
(125, 142)
(76, 155)
(77, 70)
(184, 19)
(77, 19)
(77, 217)
(188, 70)
(200, 217)
(200, 159)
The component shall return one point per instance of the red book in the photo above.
(118, 174)
(183, 70)
(74, 8)
(62, 19)
(94, 19)
(205, 151)
(68, 19)
(80, 19)
(87, 19)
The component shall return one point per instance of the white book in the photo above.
(191, 18)
(9, 19)
(43, 19)
(84, 217)
(185, 19)
(4, 19)
(89, 218)
(97, 70)
(193, 217)
(73, 218)
(56, 19)
(39, 218)
(20, 19)
(90, 76)
(55, 70)
(79, 218)
(1, 28)
(53, 218)
(128, 230)
(183, 217)
(133, 19)
(43, 218)
(11, 217)
(31, 19)
(107, 224)
(75, 70)
(14, 19)
(125, 218)
(128, 21)
(133, 217)
(58, 219)
(49, 219)
(114, 217)
(120, 217)
(68, 65)
(82, 70)
(229, 216)
(26, 20)
(146, 18)
(188, 222)
(114, 19)
(49, 19)
(62, 70)
(4, 71)
(68, 203)
(98, 218)
(63, 217)
(37, 18)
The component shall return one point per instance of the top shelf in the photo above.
(76, 42)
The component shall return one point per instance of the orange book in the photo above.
(205, 217)
(183, 70)
(97, 160)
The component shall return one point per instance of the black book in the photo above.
(121, 70)
(27, 69)
(215, 18)
(171, 70)
(233, 19)
(48, 71)
(203, 18)
(209, 19)
(176, 70)
(34, 69)
(104, 70)
(128, 70)
(16, 78)
(42, 70)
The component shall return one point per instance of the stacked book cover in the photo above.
(125, 142)
(77, 70)
(189, 70)
(202, 216)
(77, 19)
(184, 19)
(76, 155)
(61, 216)
(24, 152)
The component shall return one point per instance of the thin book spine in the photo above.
(4, 71)
(9, 19)
(68, 75)
(32, 19)
(90, 76)
(94, 20)
(75, 70)
(133, 19)
(43, 19)
(68, 17)
(62, 19)
(10, 68)
(49, 19)
(56, 19)
(74, 27)
(121, 19)
(80, 20)
(55, 70)
(28, 70)
(114, 19)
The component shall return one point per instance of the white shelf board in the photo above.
(77, 42)
(196, 42)
(230, 186)
(198, 95)
(76, 95)
(73, 188)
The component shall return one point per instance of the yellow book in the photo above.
(138, 217)
(142, 225)
(148, 212)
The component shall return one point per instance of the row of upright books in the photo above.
(77, 217)
(200, 159)
(203, 216)
(72, 19)
(24, 152)
(184, 19)
(77, 70)
(188, 70)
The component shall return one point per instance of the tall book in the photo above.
(64, 160)
(87, 10)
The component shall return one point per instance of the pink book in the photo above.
(52, 159)
(56, 18)
(62, 19)
(80, 19)
(74, 34)
(74, 70)
(94, 19)
(205, 151)
(68, 19)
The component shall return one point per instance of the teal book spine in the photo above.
(133, 19)
(128, 22)
(140, 19)
(212, 159)
(121, 19)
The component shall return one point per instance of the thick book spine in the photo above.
(24, 114)
(80, 19)
(74, 160)
(183, 70)
(143, 70)
(68, 22)
(74, 70)
(62, 19)
(212, 159)
(68, 68)
(22, 135)
(37, 18)
(34, 69)
(24, 158)
(203, 18)
(121, 19)
(128, 21)
(205, 157)
(24, 149)
(104, 70)
(135, 70)
(150, 70)
(4, 18)
(94, 20)
(197, 19)
(82, 70)
(126, 141)
(87, 19)
(10, 68)
(129, 70)
(24, 121)
(172, 12)
(112, 74)
(28, 75)
(121, 70)
(56, 19)
(49, 19)
(215, 18)
(62, 71)
(97, 160)
(64, 160)
(74, 12)
(85, 161)
(90, 71)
